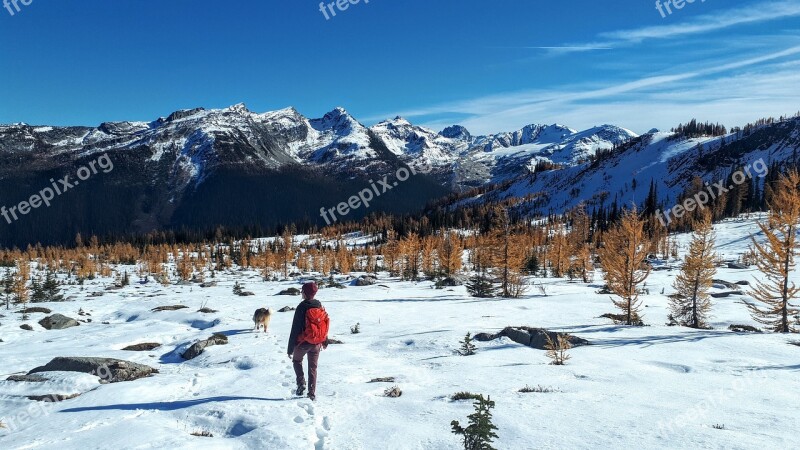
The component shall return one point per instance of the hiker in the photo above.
(308, 337)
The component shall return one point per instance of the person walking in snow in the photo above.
(309, 336)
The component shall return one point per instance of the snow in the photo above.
(649, 387)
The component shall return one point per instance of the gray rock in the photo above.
(393, 392)
(290, 291)
(737, 266)
(35, 378)
(58, 322)
(365, 280)
(169, 308)
(450, 282)
(35, 309)
(110, 370)
(26, 327)
(531, 337)
(382, 380)
(198, 347)
(286, 309)
(208, 284)
(144, 347)
(52, 398)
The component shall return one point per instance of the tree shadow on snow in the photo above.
(795, 367)
(230, 333)
(647, 341)
(169, 406)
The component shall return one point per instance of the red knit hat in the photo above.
(310, 290)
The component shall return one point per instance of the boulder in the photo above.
(58, 322)
(109, 370)
(744, 329)
(208, 284)
(290, 291)
(393, 392)
(382, 380)
(198, 347)
(52, 398)
(450, 282)
(485, 337)
(737, 266)
(246, 294)
(169, 308)
(143, 347)
(35, 309)
(26, 327)
(35, 378)
(207, 310)
(286, 309)
(361, 282)
(532, 337)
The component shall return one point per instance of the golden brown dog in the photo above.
(261, 318)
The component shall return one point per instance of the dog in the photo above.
(261, 318)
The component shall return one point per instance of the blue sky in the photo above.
(489, 65)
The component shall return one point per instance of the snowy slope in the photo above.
(669, 161)
(650, 387)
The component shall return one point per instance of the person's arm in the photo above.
(297, 327)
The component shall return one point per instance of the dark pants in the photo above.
(312, 351)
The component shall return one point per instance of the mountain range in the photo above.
(197, 169)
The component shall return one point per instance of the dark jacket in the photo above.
(299, 323)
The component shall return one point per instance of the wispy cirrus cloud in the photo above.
(733, 91)
(720, 20)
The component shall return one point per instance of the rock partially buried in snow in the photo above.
(34, 378)
(198, 347)
(393, 392)
(144, 347)
(286, 309)
(109, 370)
(169, 308)
(531, 337)
(52, 398)
(35, 309)
(365, 280)
(290, 291)
(58, 322)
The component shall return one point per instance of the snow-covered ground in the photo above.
(649, 387)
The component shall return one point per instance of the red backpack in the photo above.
(317, 324)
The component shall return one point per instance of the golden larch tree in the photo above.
(450, 253)
(508, 257)
(775, 258)
(623, 258)
(691, 303)
(558, 253)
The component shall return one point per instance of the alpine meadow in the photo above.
(400, 225)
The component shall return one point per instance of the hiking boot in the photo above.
(311, 397)
(300, 390)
